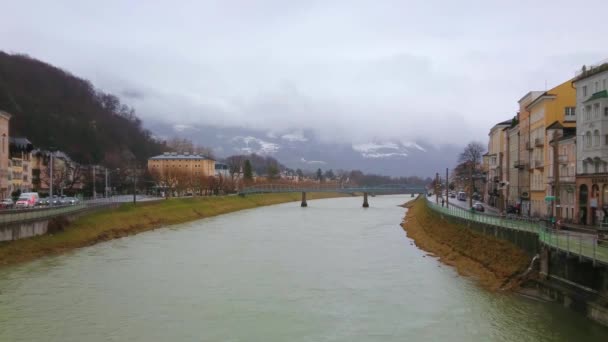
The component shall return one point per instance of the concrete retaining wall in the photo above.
(30, 228)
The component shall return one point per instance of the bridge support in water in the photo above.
(304, 204)
(365, 203)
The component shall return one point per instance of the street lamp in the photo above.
(108, 174)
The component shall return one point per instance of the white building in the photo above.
(592, 143)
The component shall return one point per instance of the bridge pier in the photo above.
(304, 204)
(365, 203)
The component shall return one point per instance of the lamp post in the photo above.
(108, 186)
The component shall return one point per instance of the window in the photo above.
(606, 111)
(597, 87)
(596, 138)
(588, 113)
(588, 139)
(584, 90)
(596, 110)
(584, 167)
(605, 139)
(597, 167)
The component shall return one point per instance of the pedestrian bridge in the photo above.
(387, 189)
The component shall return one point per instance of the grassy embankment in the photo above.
(129, 219)
(493, 262)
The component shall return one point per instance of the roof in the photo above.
(599, 95)
(532, 94)
(20, 143)
(555, 125)
(6, 115)
(537, 100)
(591, 70)
(179, 156)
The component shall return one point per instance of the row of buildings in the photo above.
(551, 159)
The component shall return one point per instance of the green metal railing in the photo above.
(580, 244)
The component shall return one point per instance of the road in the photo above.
(465, 204)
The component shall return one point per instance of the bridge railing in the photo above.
(581, 244)
(395, 188)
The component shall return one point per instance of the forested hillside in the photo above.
(55, 109)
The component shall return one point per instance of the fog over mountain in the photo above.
(375, 82)
(302, 149)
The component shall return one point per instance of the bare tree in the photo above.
(471, 157)
(186, 145)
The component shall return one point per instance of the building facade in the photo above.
(592, 144)
(562, 161)
(513, 160)
(494, 161)
(549, 108)
(4, 154)
(20, 165)
(526, 144)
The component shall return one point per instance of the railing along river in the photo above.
(584, 245)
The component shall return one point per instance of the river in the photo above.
(329, 272)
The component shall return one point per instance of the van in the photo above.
(27, 200)
(462, 196)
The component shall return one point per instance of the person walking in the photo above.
(442, 201)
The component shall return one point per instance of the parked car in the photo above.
(70, 200)
(56, 200)
(452, 195)
(27, 200)
(478, 207)
(476, 197)
(7, 203)
(42, 202)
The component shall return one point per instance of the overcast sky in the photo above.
(352, 71)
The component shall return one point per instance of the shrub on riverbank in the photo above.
(492, 261)
(131, 219)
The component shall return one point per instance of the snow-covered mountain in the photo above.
(301, 149)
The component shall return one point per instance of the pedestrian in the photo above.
(442, 201)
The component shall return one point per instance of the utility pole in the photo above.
(447, 197)
(51, 181)
(471, 184)
(437, 187)
(94, 186)
(106, 192)
(134, 175)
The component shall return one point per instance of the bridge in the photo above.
(386, 189)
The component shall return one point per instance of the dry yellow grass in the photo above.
(493, 262)
(129, 219)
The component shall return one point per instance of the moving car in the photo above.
(462, 196)
(7, 203)
(27, 200)
(478, 207)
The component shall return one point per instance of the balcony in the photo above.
(519, 164)
(563, 159)
(570, 118)
(538, 164)
(539, 142)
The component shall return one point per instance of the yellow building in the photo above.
(554, 105)
(172, 169)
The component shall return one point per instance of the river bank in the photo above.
(131, 219)
(494, 263)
